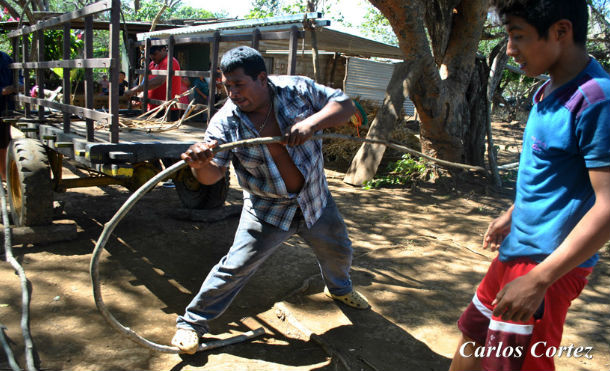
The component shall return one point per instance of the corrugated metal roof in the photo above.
(329, 39)
(204, 29)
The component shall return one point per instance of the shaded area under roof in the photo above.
(337, 41)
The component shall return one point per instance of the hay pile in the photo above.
(338, 153)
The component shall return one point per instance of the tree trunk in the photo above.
(311, 7)
(475, 126)
(367, 159)
(497, 62)
(438, 84)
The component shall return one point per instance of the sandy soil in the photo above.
(417, 258)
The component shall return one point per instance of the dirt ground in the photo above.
(417, 257)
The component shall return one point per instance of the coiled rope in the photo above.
(120, 214)
(25, 298)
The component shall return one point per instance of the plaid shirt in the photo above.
(265, 194)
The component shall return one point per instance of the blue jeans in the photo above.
(254, 242)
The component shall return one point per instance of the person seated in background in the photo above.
(201, 90)
(220, 89)
(157, 84)
(122, 83)
(104, 83)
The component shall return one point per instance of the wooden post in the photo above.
(146, 73)
(170, 68)
(89, 75)
(212, 85)
(132, 57)
(113, 91)
(25, 55)
(66, 75)
(256, 37)
(40, 74)
(292, 52)
(333, 69)
(15, 44)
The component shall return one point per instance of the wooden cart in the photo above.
(34, 163)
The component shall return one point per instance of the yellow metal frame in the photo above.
(61, 185)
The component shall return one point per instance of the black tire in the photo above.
(30, 190)
(195, 195)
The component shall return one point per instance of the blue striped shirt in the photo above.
(265, 194)
(567, 133)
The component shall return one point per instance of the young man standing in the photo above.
(549, 238)
(285, 189)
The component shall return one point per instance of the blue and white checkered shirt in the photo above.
(265, 194)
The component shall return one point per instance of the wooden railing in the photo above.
(253, 37)
(20, 44)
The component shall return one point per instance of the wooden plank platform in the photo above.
(113, 159)
(185, 133)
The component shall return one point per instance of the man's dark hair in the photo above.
(154, 48)
(542, 14)
(243, 57)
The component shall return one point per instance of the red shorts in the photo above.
(512, 345)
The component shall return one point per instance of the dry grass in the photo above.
(339, 152)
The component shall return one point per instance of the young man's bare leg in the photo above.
(462, 363)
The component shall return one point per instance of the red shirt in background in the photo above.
(177, 86)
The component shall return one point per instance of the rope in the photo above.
(25, 294)
(7, 349)
(120, 214)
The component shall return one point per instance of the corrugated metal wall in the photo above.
(369, 79)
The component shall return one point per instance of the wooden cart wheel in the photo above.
(30, 191)
(195, 195)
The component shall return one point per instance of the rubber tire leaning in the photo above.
(30, 190)
(195, 195)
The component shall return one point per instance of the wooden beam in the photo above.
(25, 54)
(94, 8)
(146, 74)
(67, 63)
(113, 92)
(170, 69)
(89, 76)
(267, 35)
(15, 44)
(66, 75)
(78, 111)
(292, 53)
(185, 73)
(39, 74)
(256, 37)
(213, 65)
(133, 62)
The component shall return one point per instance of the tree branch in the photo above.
(167, 4)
